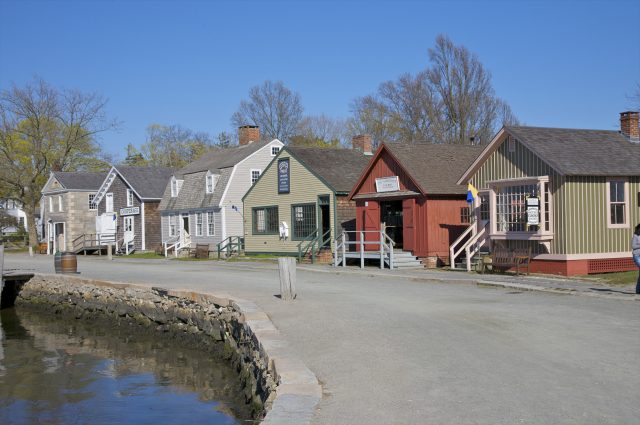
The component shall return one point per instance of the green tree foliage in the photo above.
(134, 157)
(44, 129)
(451, 101)
(225, 140)
(173, 145)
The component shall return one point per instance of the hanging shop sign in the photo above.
(284, 175)
(387, 184)
(533, 211)
(130, 211)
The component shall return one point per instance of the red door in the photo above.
(408, 224)
(371, 220)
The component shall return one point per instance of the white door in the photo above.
(109, 202)
(128, 229)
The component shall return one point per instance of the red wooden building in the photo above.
(411, 189)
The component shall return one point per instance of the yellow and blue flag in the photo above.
(472, 193)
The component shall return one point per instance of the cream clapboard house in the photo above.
(202, 204)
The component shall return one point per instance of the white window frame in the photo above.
(92, 206)
(106, 203)
(541, 233)
(176, 185)
(275, 150)
(199, 223)
(259, 171)
(172, 225)
(208, 183)
(50, 203)
(211, 224)
(626, 205)
(60, 203)
(129, 197)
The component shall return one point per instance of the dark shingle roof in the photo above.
(436, 168)
(148, 182)
(581, 152)
(340, 168)
(217, 159)
(80, 180)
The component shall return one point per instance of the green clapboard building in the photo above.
(301, 196)
(570, 195)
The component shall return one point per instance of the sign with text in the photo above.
(129, 211)
(533, 211)
(387, 184)
(284, 176)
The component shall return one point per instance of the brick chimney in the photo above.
(362, 143)
(248, 134)
(629, 125)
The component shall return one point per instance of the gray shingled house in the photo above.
(570, 195)
(68, 209)
(202, 204)
(127, 202)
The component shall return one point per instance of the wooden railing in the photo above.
(312, 244)
(230, 245)
(177, 243)
(385, 247)
(93, 240)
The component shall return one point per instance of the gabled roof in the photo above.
(147, 182)
(339, 168)
(218, 159)
(193, 194)
(78, 180)
(571, 152)
(434, 168)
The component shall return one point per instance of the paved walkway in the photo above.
(430, 347)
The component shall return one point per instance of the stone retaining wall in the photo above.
(275, 382)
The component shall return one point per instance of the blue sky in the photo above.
(557, 63)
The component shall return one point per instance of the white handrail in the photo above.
(171, 243)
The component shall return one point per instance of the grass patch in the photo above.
(619, 278)
(146, 255)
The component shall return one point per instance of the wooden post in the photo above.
(382, 250)
(287, 268)
(361, 249)
(344, 249)
(109, 252)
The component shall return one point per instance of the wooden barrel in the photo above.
(68, 263)
(56, 261)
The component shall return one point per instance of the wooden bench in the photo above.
(503, 259)
(200, 251)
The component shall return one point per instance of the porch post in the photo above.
(344, 253)
(361, 249)
(382, 250)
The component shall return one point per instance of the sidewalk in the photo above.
(537, 282)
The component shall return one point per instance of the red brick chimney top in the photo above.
(629, 125)
(248, 134)
(362, 143)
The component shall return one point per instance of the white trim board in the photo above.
(593, 256)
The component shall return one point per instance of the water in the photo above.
(65, 371)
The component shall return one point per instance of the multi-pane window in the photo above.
(484, 207)
(210, 183)
(275, 150)
(175, 186)
(210, 224)
(92, 205)
(511, 208)
(59, 202)
(304, 220)
(199, 224)
(617, 202)
(129, 198)
(172, 225)
(265, 220)
(255, 175)
(547, 207)
(465, 216)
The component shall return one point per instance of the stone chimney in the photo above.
(248, 134)
(362, 143)
(629, 125)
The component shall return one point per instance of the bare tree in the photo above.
(273, 107)
(173, 145)
(322, 131)
(44, 129)
(449, 102)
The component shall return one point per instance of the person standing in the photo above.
(635, 250)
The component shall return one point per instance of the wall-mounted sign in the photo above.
(130, 211)
(284, 176)
(533, 211)
(387, 184)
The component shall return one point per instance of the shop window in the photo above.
(511, 209)
(265, 220)
(304, 220)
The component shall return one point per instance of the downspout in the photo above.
(144, 226)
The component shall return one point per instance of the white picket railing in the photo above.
(341, 244)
